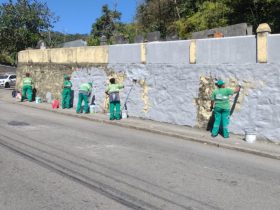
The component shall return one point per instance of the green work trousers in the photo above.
(66, 98)
(82, 97)
(113, 105)
(28, 89)
(221, 115)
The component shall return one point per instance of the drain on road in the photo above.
(18, 123)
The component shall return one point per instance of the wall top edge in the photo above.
(147, 43)
(68, 48)
(228, 38)
(120, 45)
(151, 64)
(169, 42)
(274, 35)
(56, 63)
(151, 43)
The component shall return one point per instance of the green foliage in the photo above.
(109, 25)
(128, 31)
(187, 16)
(21, 24)
(6, 59)
(209, 15)
(255, 12)
(158, 15)
(91, 41)
(105, 25)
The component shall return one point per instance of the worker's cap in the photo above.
(220, 82)
(90, 83)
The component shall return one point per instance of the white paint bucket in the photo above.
(92, 108)
(124, 114)
(38, 100)
(49, 97)
(250, 136)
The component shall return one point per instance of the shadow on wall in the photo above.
(211, 122)
(72, 99)
(34, 93)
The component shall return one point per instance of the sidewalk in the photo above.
(235, 142)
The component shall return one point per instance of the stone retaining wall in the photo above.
(174, 80)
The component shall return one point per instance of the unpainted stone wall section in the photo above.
(46, 78)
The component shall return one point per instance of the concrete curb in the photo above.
(189, 138)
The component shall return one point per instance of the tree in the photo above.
(186, 16)
(158, 15)
(181, 16)
(209, 15)
(128, 31)
(21, 25)
(255, 12)
(104, 25)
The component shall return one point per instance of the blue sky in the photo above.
(77, 16)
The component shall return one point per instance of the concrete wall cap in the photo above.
(225, 38)
(264, 27)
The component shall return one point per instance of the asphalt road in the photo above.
(51, 161)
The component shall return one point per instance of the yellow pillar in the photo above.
(262, 33)
(193, 52)
(143, 53)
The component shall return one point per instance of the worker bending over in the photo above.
(84, 93)
(27, 87)
(113, 90)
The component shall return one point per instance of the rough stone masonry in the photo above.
(169, 87)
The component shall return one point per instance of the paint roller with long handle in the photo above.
(125, 102)
(235, 100)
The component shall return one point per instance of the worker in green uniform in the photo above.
(66, 93)
(220, 104)
(113, 90)
(27, 87)
(84, 93)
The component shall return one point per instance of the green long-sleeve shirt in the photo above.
(114, 88)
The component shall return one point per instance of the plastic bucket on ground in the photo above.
(250, 136)
(38, 100)
(124, 114)
(55, 104)
(49, 97)
(92, 109)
